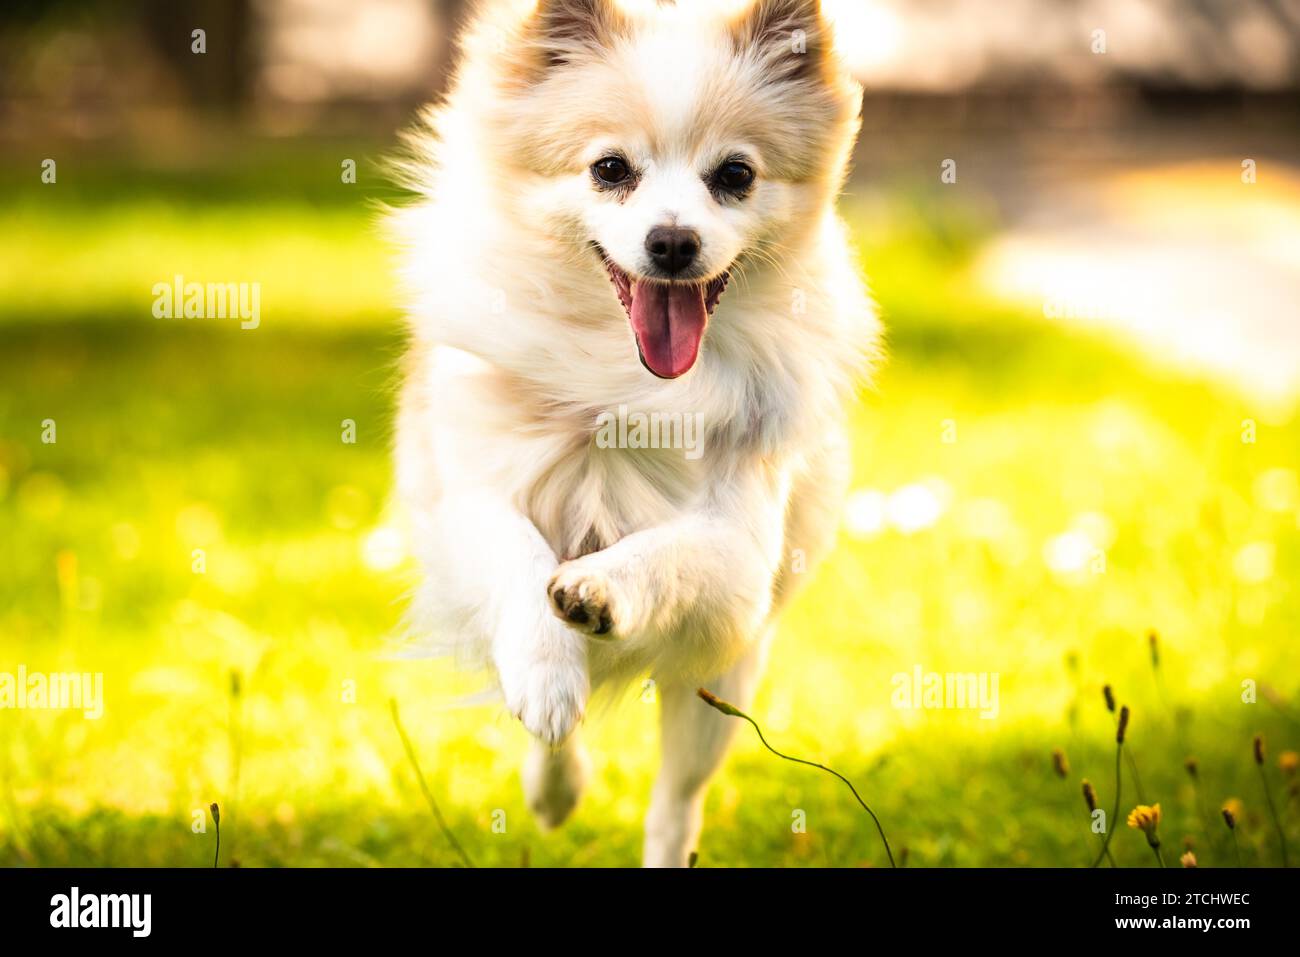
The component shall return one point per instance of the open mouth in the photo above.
(668, 317)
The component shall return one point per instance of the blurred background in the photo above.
(1082, 224)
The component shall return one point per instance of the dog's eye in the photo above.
(611, 171)
(734, 176)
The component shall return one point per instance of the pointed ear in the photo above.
(790, 36)
(562, 31)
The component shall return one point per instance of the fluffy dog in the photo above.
(628, 212)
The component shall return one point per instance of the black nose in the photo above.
(672, 248)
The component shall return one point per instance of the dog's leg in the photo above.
(554, 779)
(710, 568)
(693, 740)
(495, 562)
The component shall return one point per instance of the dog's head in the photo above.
(672, 144)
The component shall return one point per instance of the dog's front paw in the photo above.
(548, 697)
(582, 597)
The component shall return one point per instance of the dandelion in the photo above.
(713, 701)
(1268, 796)
(1146, 818)
(1059, 764)
(1188, 860)
(1288, 762)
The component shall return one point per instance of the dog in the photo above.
(628, 209)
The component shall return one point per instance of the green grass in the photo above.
(189, 435)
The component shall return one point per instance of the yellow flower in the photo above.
(1146, 819)
(1289, 762)
(1188, 859)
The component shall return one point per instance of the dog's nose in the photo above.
(672, 248)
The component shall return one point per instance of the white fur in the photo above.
(519, 342)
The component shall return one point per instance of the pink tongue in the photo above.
(669, 323)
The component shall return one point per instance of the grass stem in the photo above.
(424, 787)
(1110, 823)
(216, 820)
(729, 709)
(1272, 810)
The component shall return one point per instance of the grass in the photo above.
(180, 436)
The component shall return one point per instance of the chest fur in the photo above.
(593, 495)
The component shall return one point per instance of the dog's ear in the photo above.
(791, 37)
(562, 31)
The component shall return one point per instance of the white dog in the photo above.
(626, 214)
